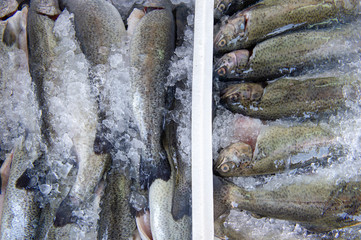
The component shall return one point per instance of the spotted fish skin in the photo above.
(278, 149)
(272, 17)
(226, 7)
(291, 97)
(320, 205)
(290, 54)
(98, 27)
(115, 219)
(151, 47)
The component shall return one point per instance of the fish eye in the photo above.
(222, 71)
(233, 98)
(222, 43)
(222, 7)
(226, 167)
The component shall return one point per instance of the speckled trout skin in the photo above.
(21, 212)
(271, 17)
(180, 194)
(223, 7)
(290, 54)
(151, 47)
(290, 97)
(163, 225)
(7, 7)
(46, 7)
(320, 206)
(277, 149)
(115, 218)
(90, 166)
(98, 27)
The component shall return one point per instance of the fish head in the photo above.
(233, 159)
(220, 7)
(231, 63)
(229, 34)
(242, 95)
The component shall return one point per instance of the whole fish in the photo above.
(115, 219)
(272, 17)
(320, 206)
(151, 47)
(291, 53)
(19, 132)
(83, 112)
(98, 27)
(225, 7)
(278, 148)
(291, 97)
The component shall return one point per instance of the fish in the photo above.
(90, 165)
(116, 218)
(98, 27)
(304, 96)
(20, 209)
(319, 206)
(46, 7)
(268, 18)
(290, 54)
(15, 30)
(151, 48)
(8, 7)
(226, 7)
(20, 133)
(180, 13)
(4, 179)
(181, 211)
(279, 148)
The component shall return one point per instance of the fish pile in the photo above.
(287, 119)
(95, 119)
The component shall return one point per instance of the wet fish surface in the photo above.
(271, 17)
(20, 135)
(279, 148)
(290, 54)
(115, 219)
(320, 206)
(151, 47)
(291, 97)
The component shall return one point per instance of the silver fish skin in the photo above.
(98, 27)
(151, 47)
